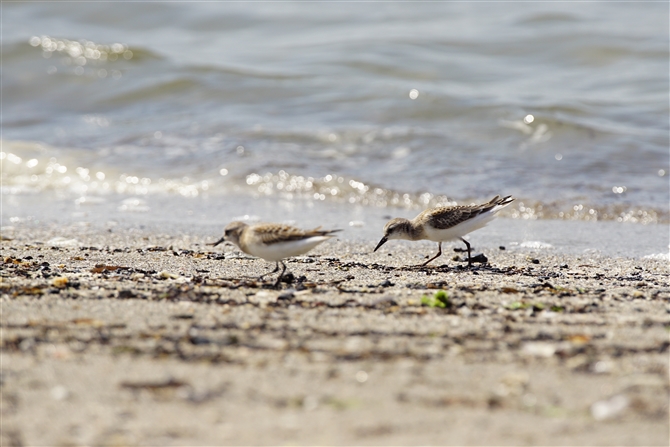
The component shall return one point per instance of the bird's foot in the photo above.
(478, 259)
(288, 278)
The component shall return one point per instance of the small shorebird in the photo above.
(273, 242)
(444, 224)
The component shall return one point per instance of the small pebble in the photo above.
(286, 295)
(609, 408)
(60, 282)
(481, 258)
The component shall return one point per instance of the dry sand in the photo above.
(145, 339)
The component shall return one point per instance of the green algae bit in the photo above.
(439, 299)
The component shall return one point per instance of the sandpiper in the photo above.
(445, 223)
(273, 242)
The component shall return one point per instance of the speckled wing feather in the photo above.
(450, 216)
(273, 233)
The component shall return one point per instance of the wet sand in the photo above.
(138, 338)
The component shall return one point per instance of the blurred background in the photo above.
(211, 111)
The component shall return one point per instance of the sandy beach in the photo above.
(138, 338)
(131, 136)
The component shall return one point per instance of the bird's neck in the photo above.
(412, 232)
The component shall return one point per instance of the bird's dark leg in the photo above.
(270, 273)
(281, 274)
(439, 253)
(467, 244)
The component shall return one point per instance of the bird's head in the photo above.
(397, 228)
(232, 233)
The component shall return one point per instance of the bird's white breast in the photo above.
(280, 250)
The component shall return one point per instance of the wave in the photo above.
(36, 171)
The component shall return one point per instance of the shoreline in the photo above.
(202, 218)
(142, 338)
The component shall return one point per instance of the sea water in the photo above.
(342, 114)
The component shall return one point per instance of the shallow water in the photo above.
(205, 217)
(140, 107)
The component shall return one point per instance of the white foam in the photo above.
(133, 204)
(63, 242)
(658, 256)
(535, 244)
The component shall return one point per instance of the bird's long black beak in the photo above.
(214, 244)
(382, 242)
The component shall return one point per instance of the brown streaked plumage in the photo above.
(444, 223)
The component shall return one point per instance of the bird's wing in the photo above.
(274, 233)
(450, 216)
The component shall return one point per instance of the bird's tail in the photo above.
(502, 202)
(496, 203)
(319, 232)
